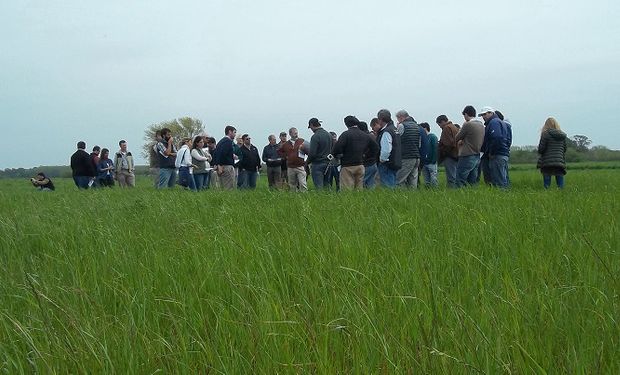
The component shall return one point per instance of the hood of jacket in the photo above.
(556, 134)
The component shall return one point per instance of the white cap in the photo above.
(485, 110)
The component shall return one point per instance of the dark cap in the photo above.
(314, 122)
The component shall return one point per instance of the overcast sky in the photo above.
(102, 71)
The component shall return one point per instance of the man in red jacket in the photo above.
(294, 151)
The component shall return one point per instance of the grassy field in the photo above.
(469, 281)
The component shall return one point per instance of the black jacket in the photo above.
(250, 161)
(81, 164)
(355, 145)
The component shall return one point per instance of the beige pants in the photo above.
(352, 178)
(297, 179)
(228, 180)
(126, 178)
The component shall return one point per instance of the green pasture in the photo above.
(434, 281)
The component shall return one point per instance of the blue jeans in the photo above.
(450, 166)
(467, 170)
(186, 178)
(369, 176)
(387, 176)
(81, 181)
(498, 166)
(167, 178)
(429, 171)
(202, 180)
(333, 175)
(559, 179)
(320, 175)
(247, 179)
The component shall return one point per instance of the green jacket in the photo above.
(552, 148)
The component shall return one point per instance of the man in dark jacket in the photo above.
(410, 143)
(82, 168)
(249, 164)
(353, 145)
(224, 159)
(496, 146)
(389, 145)
(448, 149)
(274, 163)
(320, 147)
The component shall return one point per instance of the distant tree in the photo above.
(181, 128)
(580, 142)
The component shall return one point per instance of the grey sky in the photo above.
(102, 71)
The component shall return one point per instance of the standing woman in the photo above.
(105, 169)
(184, 163)
(201, 159)
(552, 148)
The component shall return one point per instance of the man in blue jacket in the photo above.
(496, 146)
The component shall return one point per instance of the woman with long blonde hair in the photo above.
(552, 150)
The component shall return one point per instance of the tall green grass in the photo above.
(469, 281)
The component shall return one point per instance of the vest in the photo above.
(395, 160)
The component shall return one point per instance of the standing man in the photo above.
(390, 151)
(249, 164)
(469, 140)
(370, 159)
(224, 159)
(496, 146)
(353, 144)
(320, 147)
(94, 159)
(284, 176)
(410, 142)
(448, 151)
(429, 168)
(294, 151)
(82, 169)
(166, 157)
(153, 160)
(124, 166)
(274, 163)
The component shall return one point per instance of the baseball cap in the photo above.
(485, 110)
(314, 122)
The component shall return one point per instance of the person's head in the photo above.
(186, 141)
(351, 121)
(239, 140)
(363, 126)
(374, 125)
(293, 133)
(486, 113)
(271, 139)
(499, 114)
(401, 116)
(105, 153)
(314, 124)
(199, 142)
(469, 112)
(442, 120)
(283, 136)
(426, 127)
(81, 145)
(96, 150)
(166, 134)
(211, 143)
(334, 136)
(230, 131)
(40, 176)
(457, 126)
(551, 123)
(384, 116)
(123, 145)
(246, 139)
(158, 136)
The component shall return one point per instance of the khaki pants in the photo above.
(297, 179)
(352, 177)
(126, 178)
(228, 180)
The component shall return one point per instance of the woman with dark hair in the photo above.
(105, 168)
(552, 150)
(201, 159)
(42, 182)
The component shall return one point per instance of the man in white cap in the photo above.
(496, 147)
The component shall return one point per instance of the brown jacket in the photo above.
(290, 151)
(472, 135)
(447, 142)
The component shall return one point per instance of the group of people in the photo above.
(385, 152)
(98, 170)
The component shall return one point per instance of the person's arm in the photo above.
(373, 148)
(169, 150)
(314, 149)
(542, 144)
(495, 135)
(386, 147)
(339, 145)
(461, 134)
(264, 157)
(196, 155)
